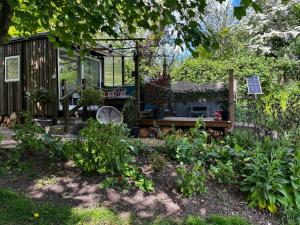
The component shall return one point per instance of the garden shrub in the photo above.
(91, 96)
(104, 149)
(137, 147)
(28, 137)
(291, 216)
(186, 148)
(223, 173)
(245, 138)
(55, 148)
(158, 161)
(129, 112)
(265, 175)
(32, 140)
(191, 180)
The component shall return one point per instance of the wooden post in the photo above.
(63, 87)
(66, 114)
(84, 108)
(231, 98)
(123, 70)
(137, 79)
(65, 105)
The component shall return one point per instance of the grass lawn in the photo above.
(18, 210)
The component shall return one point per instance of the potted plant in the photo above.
(156, 92)
(224, 104)
(91, 96)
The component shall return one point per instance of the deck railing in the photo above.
(65, 103)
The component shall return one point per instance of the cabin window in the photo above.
(12, 68)
(91, 71)
(69, 70)
(113, 71)
(118, 71)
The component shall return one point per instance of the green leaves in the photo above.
(239, 12)
(191, 181)
(76, 22)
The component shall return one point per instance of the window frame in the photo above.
(7, 80)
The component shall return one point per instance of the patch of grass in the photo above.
(46, 181)
(19, 210)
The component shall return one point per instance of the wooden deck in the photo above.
(184, 122)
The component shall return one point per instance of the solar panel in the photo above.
(253, 84)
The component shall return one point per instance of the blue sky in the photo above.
(236, 3)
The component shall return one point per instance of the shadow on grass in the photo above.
(20, 210)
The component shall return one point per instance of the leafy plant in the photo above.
(291, 216)
(265, 176)
(91, 96)
(28, 137)
(129, 112)
(40, 96)
(55, 148)
(104, 149)
(191, 180)
(158, 161)
(137, 147)
(291, 190)
(143, 183)
(223, 172)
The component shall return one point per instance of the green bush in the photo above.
(158, 161)
(223, 173)
(91, 96)
(137, 146)
(245, 138)
(105, 149)
(129, 112)
(186, 148)
(102, 148)
(191, 180)
(28, 137)
(55, 148)
(32, 140)
(265, 175)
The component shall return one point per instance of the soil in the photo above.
(64, 184)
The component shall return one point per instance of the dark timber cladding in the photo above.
(38, 70)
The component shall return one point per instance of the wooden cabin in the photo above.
(35, 63)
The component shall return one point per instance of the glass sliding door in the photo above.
(113, 71)
(91, 72)
(108, 72)
(69, 70)
(118, 71)
(73, 69)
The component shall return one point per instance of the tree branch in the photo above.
(6, 13)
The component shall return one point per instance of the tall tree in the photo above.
(275, 28)
(77, 21)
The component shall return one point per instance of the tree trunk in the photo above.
(6, 13)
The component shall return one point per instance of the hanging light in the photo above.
(110, 48)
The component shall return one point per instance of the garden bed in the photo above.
(63, 184)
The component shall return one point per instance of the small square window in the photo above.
(12, 68)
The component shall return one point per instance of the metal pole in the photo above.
(231, 98)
